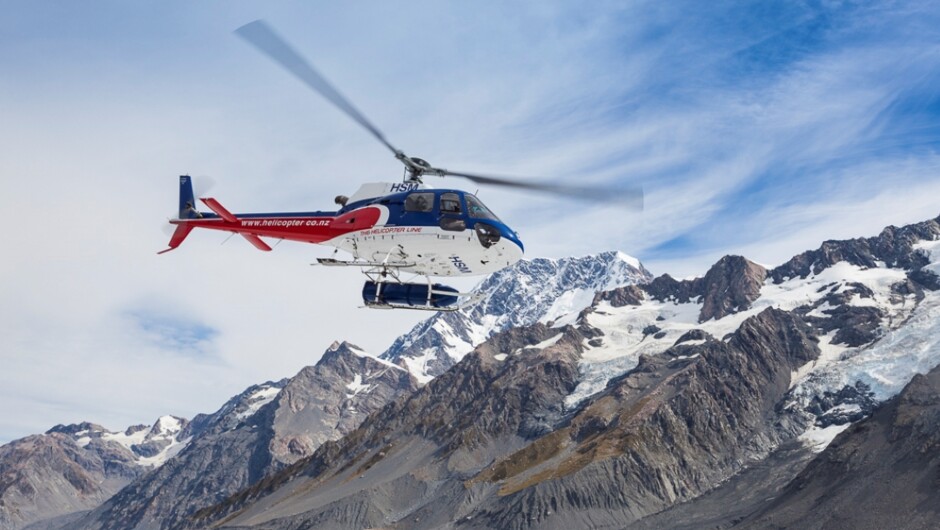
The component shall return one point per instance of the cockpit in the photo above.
(448, 203)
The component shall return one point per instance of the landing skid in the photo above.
(386, 290)
(330, 262)
(449, 309)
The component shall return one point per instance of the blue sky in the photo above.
(756, 128)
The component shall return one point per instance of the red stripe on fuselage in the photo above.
(300, 228)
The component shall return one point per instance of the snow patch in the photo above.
(542, 345)
(569, 304)
(127, 440)
(417, 365)
(818, 439)
(828, 354)
(629, 260)
(258, 399)
(169, 452)
(500, 356)
(357, 386)
(362, 353)
(932, 249)
(166, 425)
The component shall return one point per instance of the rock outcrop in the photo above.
(881, 472)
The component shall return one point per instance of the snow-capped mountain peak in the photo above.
(874, 305)
(537, 290)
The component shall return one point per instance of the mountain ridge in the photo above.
(506, 423)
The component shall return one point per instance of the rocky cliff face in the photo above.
(894, 247)
(489, 443)
(49, 475)
(254, 435)
(327, 401)
(412, 457)
(879, 473)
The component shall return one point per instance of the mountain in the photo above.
(490, 443)
(72, 468)
(648, 400)
(255, 434)
(537, 290)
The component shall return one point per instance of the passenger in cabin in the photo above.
(419, 202)
(450, 203)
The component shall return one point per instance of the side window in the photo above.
(419, 202)
(477, 209)
(450, 203)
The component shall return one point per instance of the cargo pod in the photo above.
(409, 295)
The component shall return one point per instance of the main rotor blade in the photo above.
(261, 36)
(629, 197)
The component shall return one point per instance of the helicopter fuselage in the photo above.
(431, 232)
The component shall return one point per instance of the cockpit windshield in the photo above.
(477, 210)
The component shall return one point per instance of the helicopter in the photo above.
(389, 228)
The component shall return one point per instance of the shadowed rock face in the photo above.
(882, 472)
(664, 433)
(730, 286)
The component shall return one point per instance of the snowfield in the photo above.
(909, 341)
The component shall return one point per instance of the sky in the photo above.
(755, 128)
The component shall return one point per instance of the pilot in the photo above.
(450, 205)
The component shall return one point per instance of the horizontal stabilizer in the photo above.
(182, 230)
(220, 210)
(256, 241)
